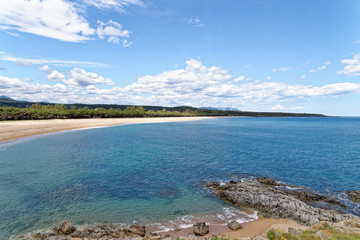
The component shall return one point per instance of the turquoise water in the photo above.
(153, 172)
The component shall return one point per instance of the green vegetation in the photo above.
(37, 111)
(17, 110)
(330, 232)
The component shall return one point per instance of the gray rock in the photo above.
(294, 231)
(259, 238)
(138, 229)
(234, 226)
(66, 227)
(276, 201)
(201, 229)
(321, 235)
(212, 184)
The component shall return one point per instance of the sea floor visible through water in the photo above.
(155, 173)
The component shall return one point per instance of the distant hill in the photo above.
(7, 98)
(9, 102)
(226, 109)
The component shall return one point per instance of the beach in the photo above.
(137, 173)
(249, 230)
(10, 130)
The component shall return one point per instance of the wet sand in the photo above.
(10, 130)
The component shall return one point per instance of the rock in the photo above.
(66, 227)
(259, 238)
(155, 238)
(278, 201)
(355, 195)
(267, 181)
(294, 231)
(201, 229)
(234, 226)
(212, 184)
(138, 229)
(321, 235)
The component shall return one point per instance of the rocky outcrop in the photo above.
(67, 231)
(201, 229)
(355, 195)
(278, 200)
(234, 225)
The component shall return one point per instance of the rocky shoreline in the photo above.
(274, 199)
(267, 196)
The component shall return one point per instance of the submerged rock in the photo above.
(277, 200)
(355, 195)
(234, 225)
(201, 229)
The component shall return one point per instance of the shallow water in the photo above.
(156, 172)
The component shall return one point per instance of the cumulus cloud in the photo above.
(281, 69)
(196, 84)
(77, 78)
(56, 62)
(60, 19)
(126, 43)
(323, 67)
(80, 78)
(25, 90)
(352, 66)
(199, 85)
(112, 30)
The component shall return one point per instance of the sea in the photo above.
(155, 173)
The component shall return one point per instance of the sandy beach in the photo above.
(258, 227)
(10, 130)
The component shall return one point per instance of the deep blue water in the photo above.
(151, 172)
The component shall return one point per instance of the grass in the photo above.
(333, 234)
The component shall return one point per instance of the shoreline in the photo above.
(251, 229)
(258, 227)
(12, 130)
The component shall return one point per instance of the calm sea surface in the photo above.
(156, 172)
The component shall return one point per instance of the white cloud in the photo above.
(56, 19)
(126, 43)
(241, 79)
(112, 30)
(196, 22)
(60, 19)
(113, 4)
(303, 76)
(196, 85)
(352, 67)
(323, 67)
(281, 69)
(277, 107)
(247, 66)
(78, 78)
(56, 62)
(81, 78)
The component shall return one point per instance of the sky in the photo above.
(252, 55)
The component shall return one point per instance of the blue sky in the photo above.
(257, 55)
